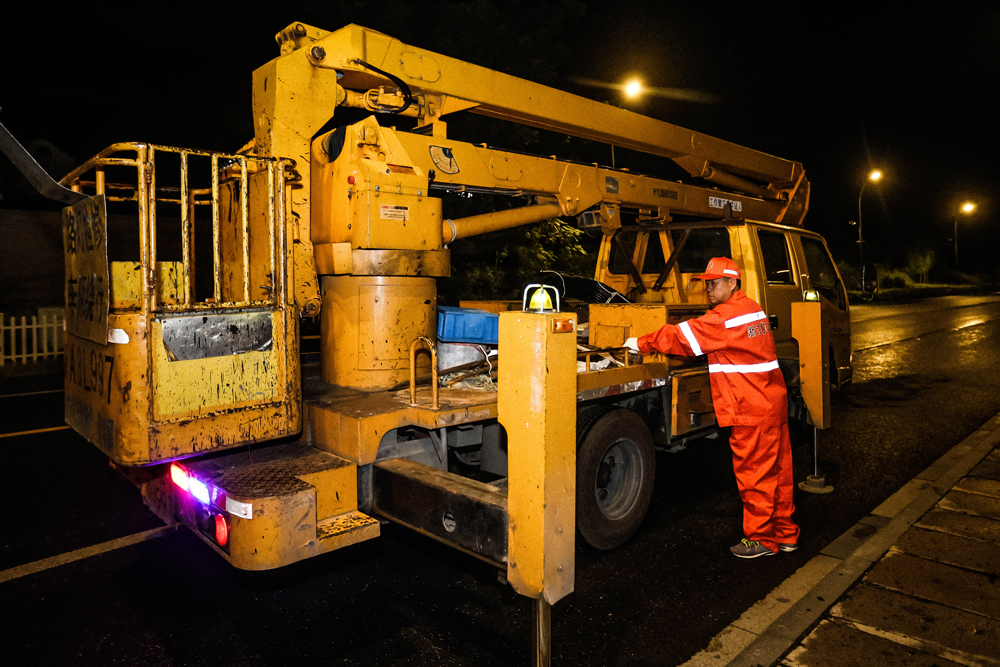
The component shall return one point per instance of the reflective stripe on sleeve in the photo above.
(743, 368)
(689, 336)
(745, 319)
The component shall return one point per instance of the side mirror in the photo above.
(869, 281)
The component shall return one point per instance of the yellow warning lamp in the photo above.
(540, 299)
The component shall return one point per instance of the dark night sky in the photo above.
(836, 86)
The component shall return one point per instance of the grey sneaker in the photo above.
(750, 549)
(788, 547)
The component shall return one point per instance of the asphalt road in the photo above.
(405, 600)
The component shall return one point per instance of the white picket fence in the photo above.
(29, 342)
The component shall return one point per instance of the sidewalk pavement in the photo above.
(915, 583)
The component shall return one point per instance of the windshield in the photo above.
(701, 246)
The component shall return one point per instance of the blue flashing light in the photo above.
(199, 490)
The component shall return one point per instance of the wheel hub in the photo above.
(619, 478)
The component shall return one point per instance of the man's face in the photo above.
(719, 290)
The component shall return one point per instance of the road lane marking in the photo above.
(33, 393)
(80, 554)
(37, 430)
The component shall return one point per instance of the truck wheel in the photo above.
(615, 466)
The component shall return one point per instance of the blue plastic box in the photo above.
(468, 325)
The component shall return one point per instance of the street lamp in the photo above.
(633, 90)
(873, 177)
(967, 208)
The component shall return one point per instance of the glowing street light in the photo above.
(967, 208)
(874, 176)
(633, 90)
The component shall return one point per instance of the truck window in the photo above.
(822, 274)
(701, 246)
(774, 250)
(618, 263)
(654, 261)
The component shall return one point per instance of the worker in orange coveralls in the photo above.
(749, 394)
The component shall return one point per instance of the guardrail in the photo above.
(31, 341)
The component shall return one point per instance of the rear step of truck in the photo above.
(267, 507)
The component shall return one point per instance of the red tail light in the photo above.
(179, 476)
(221, 529)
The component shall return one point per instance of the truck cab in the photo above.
(781, 265)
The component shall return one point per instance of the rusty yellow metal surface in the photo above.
(334, 258)
(352, 425)
(223, 430)
(537, 407)
(622, 375)
(295, 503)
(612, 324)
(109, 401)
(691, 401)
(373, 193)
(367, 186)
(126, 284)
(336, 490)
(368, 324)
(129, 396)
(809, 328)
(280, 525)
(346, 529)
(107, 396)
(200, 386)
(85, 245)
(291, 102)
(448, 84)
(284, 530)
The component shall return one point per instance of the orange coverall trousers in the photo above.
(749, 395)
(762, 461)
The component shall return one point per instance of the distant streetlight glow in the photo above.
(633, 89)
(874, 176)
(967, 208)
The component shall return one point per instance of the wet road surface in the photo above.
(405, 600)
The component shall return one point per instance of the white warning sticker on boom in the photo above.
(719, 202)
(394, 213)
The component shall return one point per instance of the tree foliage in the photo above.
(496, 265)
(919, 262)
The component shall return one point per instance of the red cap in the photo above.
(719, 267)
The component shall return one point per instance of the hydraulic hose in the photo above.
(395, 79)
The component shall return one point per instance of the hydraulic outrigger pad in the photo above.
(815, 483)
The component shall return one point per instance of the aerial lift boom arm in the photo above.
(439, 85)
(317, 71)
